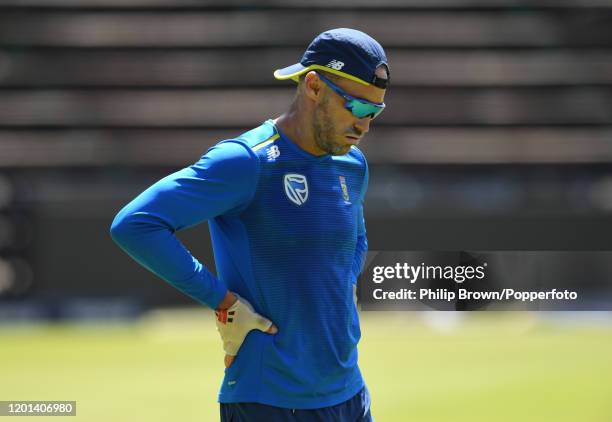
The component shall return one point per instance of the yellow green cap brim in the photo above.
(293, 72)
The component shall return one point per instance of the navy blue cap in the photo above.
(345, 52)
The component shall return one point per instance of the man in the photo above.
(284, 202)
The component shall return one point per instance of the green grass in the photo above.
(489, 367)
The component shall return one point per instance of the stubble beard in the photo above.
(324, 131)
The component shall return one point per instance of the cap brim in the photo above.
(290, 72)
(294, 71)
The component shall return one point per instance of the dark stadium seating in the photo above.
(498, 133)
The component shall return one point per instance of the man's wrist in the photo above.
(229, 299)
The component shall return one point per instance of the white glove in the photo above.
(235, 322)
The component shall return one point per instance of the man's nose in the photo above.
(363, 125)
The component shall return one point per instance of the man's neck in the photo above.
(298, 131)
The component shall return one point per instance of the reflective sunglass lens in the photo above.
(362, 110)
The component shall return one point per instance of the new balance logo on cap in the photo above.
(335, 64)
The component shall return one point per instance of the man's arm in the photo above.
(361, 251)
(223, 180)
(361, 247)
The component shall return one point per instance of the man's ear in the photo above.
(312, 86)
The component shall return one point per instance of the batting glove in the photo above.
(235, 322)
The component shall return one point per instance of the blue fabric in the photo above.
(294, 257)
(356, 409)
(344, 49)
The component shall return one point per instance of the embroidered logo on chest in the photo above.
(345, 194)
(273, 153)
(296, 188)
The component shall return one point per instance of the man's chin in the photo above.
(336, 148)
(342, 150)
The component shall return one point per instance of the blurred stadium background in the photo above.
(498, 136)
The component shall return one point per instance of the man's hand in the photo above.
(235, 322)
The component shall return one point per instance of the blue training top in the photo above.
(288, 235)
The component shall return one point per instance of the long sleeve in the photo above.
(361, 247)
(221, 182)
(360, 254)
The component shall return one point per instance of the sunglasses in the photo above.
(359, 107)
